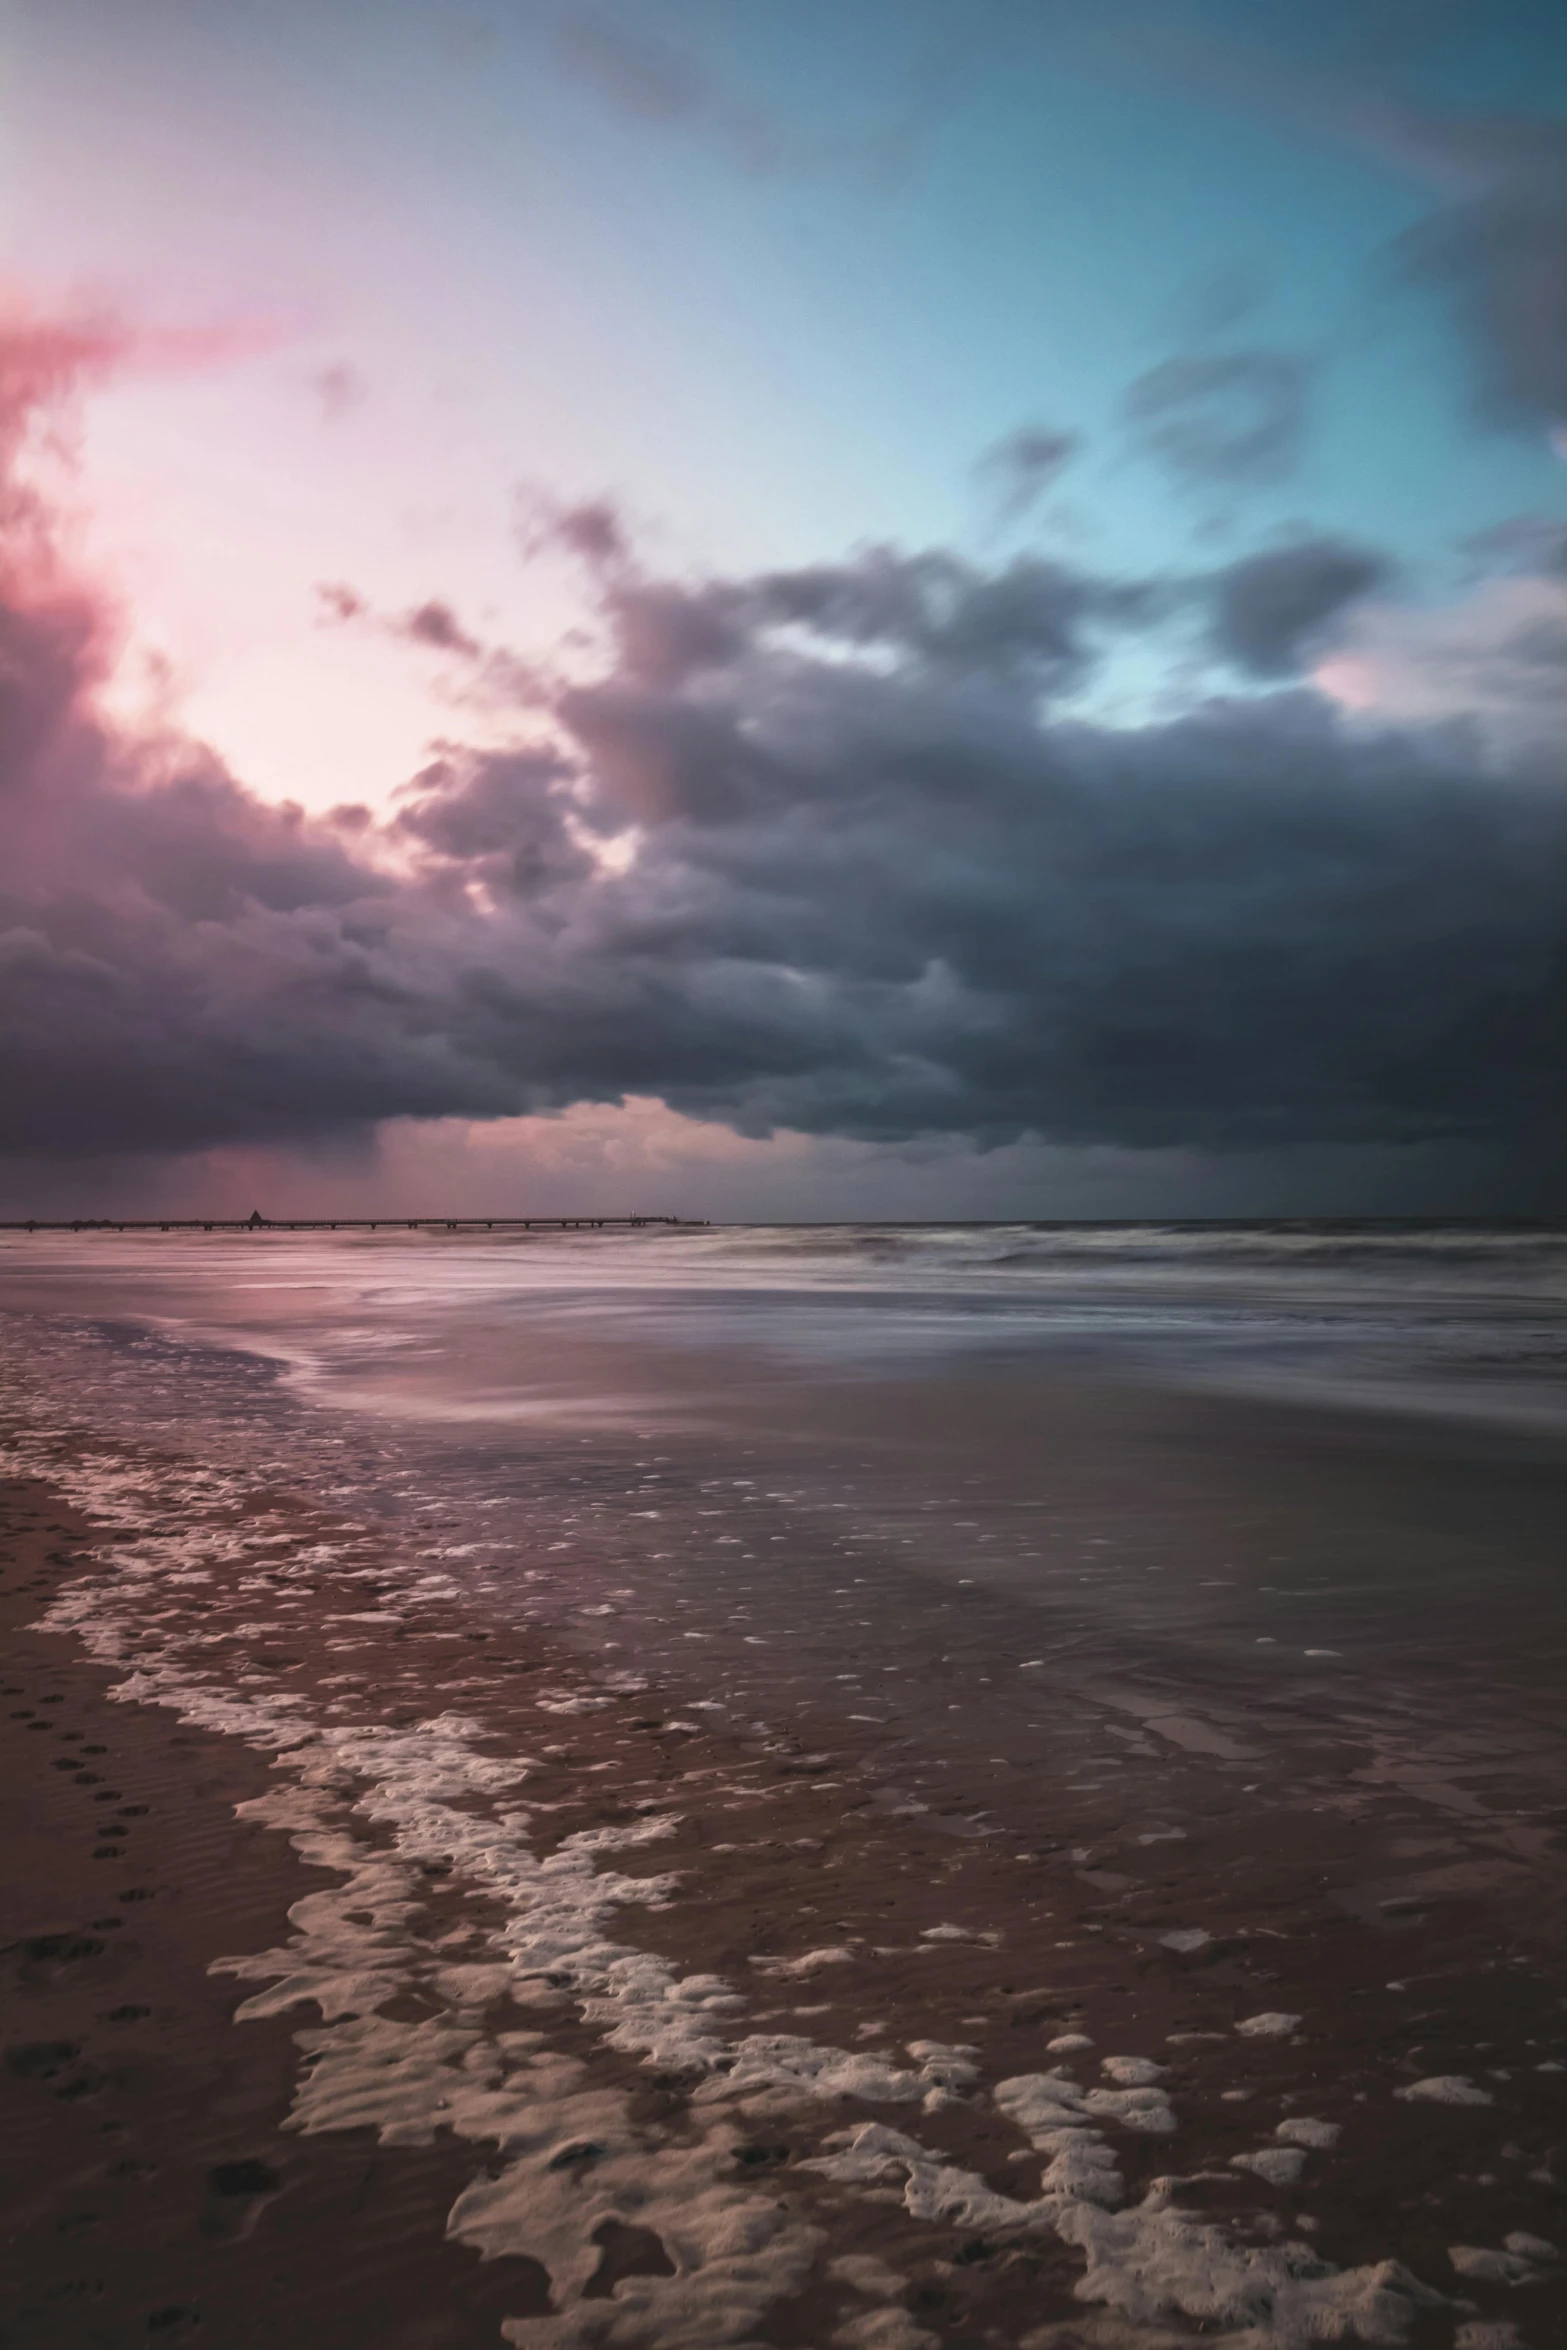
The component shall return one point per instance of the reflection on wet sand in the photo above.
(917, 1774)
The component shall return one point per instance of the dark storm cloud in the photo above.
(819, 848)
(1029, 616)
(1232, 419)
(1025, 620)
(1271, 609)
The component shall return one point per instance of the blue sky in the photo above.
(970, 219)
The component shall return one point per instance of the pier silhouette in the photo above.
(256, 1222)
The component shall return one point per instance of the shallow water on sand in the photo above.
(951, 1485)
(1217, 1575)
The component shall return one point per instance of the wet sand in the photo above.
(697, 2037)
(147, 2186)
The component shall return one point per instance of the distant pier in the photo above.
(260, 1223)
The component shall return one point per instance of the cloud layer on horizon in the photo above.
(830, 850)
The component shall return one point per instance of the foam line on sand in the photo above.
(414, 2030)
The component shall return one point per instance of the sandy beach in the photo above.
(377, 1970)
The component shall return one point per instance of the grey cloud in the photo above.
(665, 634)
(432, 623)
(340, 389)
(497, 819)
(648, 78)
(1216, 305)
(1024, 466)
(435, 624)
(339, 602)
(487, 676)
(1493, 244)
(1235, 419)
(636, 71)
(1026, 618)
(821, 848)
(1270, 609)
(1524, 543)
(592, 530)
(1498, 254)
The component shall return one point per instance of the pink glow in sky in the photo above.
(222, 559)
(428, 346)
(1348, 679)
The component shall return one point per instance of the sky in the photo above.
(887, 608)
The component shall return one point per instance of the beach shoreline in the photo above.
(149, 2190)
(842, 1925)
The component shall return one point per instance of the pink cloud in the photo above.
(1496, 657)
